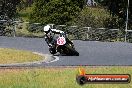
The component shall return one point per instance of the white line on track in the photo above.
(56, 59)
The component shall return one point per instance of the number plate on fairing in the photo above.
(61, 41)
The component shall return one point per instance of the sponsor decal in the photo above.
(84, 78)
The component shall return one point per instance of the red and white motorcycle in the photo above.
(64, 46)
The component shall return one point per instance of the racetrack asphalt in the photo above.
(92, 53)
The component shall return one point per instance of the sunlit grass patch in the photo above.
(17, 56)
(57, 77)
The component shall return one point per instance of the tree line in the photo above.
(65, 11)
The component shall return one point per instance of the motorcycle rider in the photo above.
(50, 34)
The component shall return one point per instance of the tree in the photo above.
(115, 6)
(7, 11)
(118, 8)
(92, 17)
(8, 7)
(55, 11)
(24, 4)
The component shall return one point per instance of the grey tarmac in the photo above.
(92, 53)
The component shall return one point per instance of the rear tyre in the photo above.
(72, 51)
(76, 53)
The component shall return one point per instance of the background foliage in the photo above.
(8, 7)
(55, 11)
(92, 17)
(106, 13)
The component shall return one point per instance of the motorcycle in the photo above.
(62, 45)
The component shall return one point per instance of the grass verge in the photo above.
(25, 33)
(56, 77)
(8, 56)
(22, 31)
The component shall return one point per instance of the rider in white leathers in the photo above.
(49, 32)
(47, 29)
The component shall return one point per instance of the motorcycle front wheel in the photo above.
(52, 50)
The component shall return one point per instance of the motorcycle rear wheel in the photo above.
(71, 51)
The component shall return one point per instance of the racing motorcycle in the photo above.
(62, 45)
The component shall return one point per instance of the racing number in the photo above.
(61, 41)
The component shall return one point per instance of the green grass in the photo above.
(25, 33)
(57, 77)
(24, 13)
(17, 56)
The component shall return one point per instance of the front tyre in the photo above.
(52, 50)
